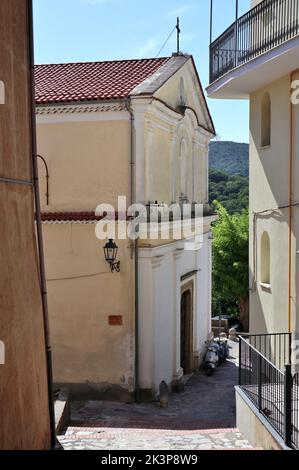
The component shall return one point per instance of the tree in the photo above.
(231, 191)
(230, 262)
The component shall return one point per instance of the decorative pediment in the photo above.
(183, 91)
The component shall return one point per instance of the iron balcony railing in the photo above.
(295, 412)
(269, 24)
(270, 386)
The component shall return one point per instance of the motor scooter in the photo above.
(211, 360)
(223, 351)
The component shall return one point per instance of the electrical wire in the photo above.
(166, 41)
(77, 277)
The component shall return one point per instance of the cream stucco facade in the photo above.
(149, 150)
(274, 171)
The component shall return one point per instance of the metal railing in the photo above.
(295, 412)
(271, 388)
(267, 25)
(276, 347)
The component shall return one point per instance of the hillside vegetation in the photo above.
(230, 157)
(229, 185)
(229, 169)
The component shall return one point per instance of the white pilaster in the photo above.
(150, 164)
(195, 172)
(173, 165)
(139, 108)
(178, 371)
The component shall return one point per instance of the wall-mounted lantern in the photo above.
(110, 252)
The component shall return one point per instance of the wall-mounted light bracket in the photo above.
(110, 253)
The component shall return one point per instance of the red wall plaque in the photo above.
(115, 320)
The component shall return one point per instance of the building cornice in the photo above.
(81, 108)
(79, 112)
(81, 217)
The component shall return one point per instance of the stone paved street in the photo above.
(202, 417)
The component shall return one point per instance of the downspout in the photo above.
(47, 177)
(134, 249)
(39, 234)
(291, 202)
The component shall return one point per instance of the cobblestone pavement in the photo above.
(202, 417)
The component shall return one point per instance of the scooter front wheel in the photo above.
(209, 371)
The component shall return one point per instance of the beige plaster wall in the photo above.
(253, 428)
(83, 293)
(295, 237)
(269, 189)
(88, 163)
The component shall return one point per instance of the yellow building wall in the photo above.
(295, 231)
(269, 189)
(87, 162)
(83, 293)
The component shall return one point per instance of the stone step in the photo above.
(130, 438)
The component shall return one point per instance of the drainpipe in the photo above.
(291, 196)
(39, 235)
(135, 248)
(47, 177)
(291, 202)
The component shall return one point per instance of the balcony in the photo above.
(269, 27)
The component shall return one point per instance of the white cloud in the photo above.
(150, 46)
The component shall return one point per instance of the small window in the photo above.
(266, 121)
(265, 259)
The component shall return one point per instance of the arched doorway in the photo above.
(187, 330)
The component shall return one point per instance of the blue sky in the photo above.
(89, 30)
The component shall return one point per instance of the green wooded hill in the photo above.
(230, 157)
(229, 169)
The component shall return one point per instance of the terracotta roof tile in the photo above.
(78, 217)
(92, 81)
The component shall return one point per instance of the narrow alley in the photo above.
(200, 418)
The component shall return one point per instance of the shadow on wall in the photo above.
(257, 321)
(269, 300)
